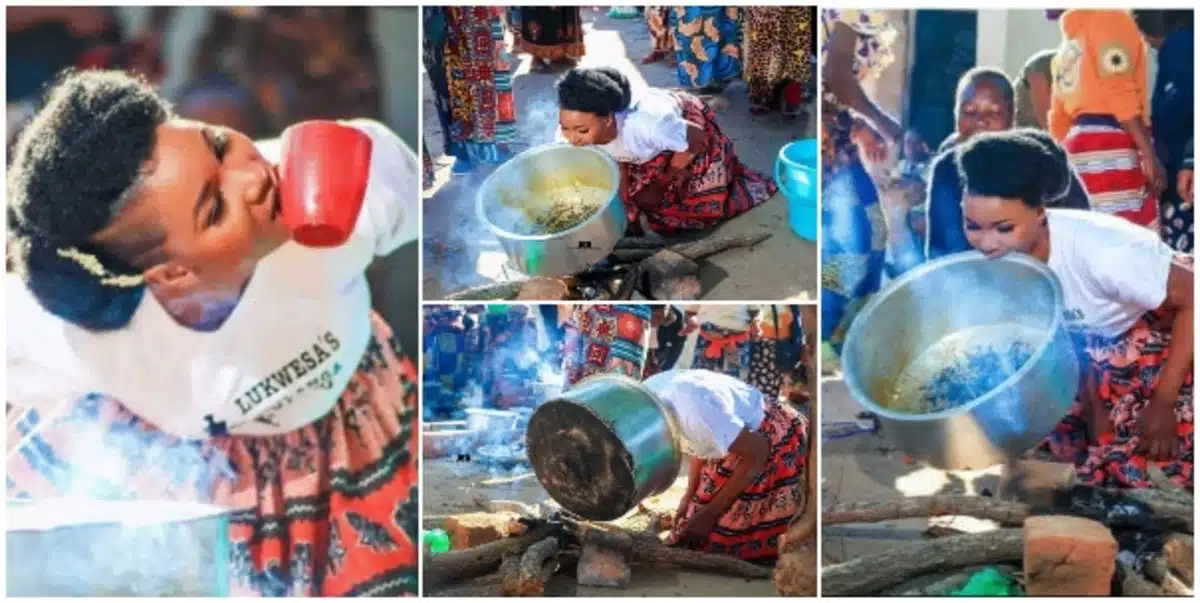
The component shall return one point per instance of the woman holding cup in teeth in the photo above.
(191, 321)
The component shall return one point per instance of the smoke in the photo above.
(539, 120)
(91, 454)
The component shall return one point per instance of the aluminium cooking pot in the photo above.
(603, 446)
(562, 253)
(966, 295)
(71, 548)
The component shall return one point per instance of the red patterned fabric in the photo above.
(1107, 162)
(752, 526)
(718, 186)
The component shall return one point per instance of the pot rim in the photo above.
(853, 334)
(546, 148)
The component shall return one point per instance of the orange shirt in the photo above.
(1100, 69)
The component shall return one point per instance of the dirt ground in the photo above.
(868, 467)
(459, 252)
(450, 487)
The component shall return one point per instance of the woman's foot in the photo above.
(653, 57)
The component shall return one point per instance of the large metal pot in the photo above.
(603, 446)
(76, 548)
(570, 251)
(966, 295)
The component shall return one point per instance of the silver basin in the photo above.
(570, 251)
(77, 548)
(966, 296)
(603, 446)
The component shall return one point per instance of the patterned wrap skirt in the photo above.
(606, 339)
(732, 353)
(329, 509)
(752, 526)
(1106, 158)
(718, 186)
(1127, 368)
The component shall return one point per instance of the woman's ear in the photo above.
(169, 280)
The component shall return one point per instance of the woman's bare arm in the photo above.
(840, 79)
(1179, 364)
(753, 450)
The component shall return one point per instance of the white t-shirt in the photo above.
(280, 360)
(1112, 271)
(651, 125)
(712, 408)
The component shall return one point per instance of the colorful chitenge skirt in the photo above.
(1127, 369)
(752, 526)
(327, 510)
(1107, 161)
(716, 185)
(606, 339)
(733, 353)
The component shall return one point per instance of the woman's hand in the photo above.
(1156, 427)
(698, 529)
(650, 198)
(1156, 179)
(1183, 185)
(690, 325)
(871, 144)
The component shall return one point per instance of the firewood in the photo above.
(1157, 571)
(1005, 513)
(658, 554)
(543, 289)
(468, 563)
(796, 571)
(1133, 585)
(713, 245)
(870, 574)
(632, 256)
(629, 283)
(1180, 556)
(535, 567)
(489, 292)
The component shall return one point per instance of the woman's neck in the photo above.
(1041, 247)
(204, 312)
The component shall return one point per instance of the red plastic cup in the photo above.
(323, 172)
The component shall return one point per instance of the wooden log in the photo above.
(628, 284)
(1133, 585)
(872, 573)
(656, 242)
(631, 256)
(489, 292)
(1158, 571)
(1179, 555)
(1009, 514)
(671, 276)
(534, 568)
(796, 571)
(543, 289)
(476, 561)
(713, 245)
(658, 554)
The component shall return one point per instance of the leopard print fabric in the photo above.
(778, 49)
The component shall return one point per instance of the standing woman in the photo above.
(1100, 112)
(778, 40)
(746, 464)
(551, 35)
(855, 46)
(1032, 90)
(678, 169)
(171, 342)
(658, 21)
(602, 339)
(1174, 123)
(709, 39)
(472, 83)
(729, 340)
(1128, 299)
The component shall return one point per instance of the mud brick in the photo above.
(600, 566)
(1068, 556)
(473, 529)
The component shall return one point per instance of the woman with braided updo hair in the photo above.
(1128, 301)
(677, 168)
(169, 341)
